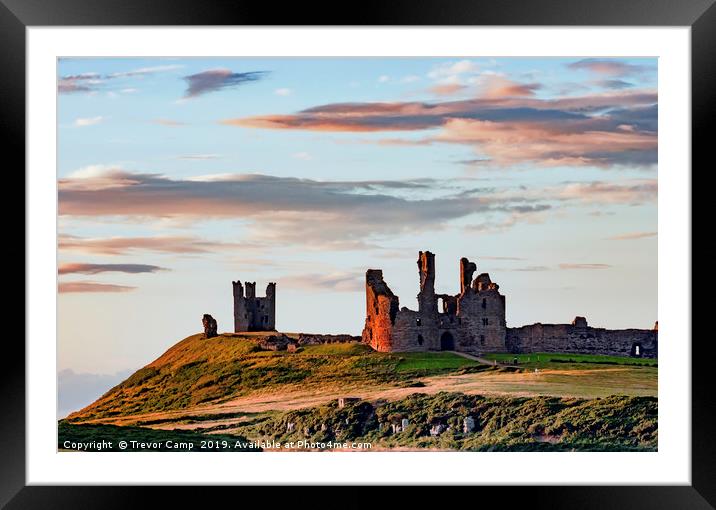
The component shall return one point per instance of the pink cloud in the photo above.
(584, 266)
(632, 235)
(124, 245)
(67, 287)
(507, 124)
(82, 268)
(446, 89)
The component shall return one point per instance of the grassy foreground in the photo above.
(94, 438)
(616, 423)
(444, 421)
(559, 360)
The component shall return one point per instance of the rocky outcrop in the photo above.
(210, 326)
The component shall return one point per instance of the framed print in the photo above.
(535, 167)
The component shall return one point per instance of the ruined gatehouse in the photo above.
(473, 321)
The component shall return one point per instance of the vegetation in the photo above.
(197, 371)
(551, 359)
(616, 423)
(615, 410)
(108, 437)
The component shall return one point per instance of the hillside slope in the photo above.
(197, 371)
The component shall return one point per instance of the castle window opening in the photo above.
(420, 339)
(482, 339)
(485, 321)
(417, 322)
(636, 350)
(484, 302)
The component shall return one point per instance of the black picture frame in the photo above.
(700, 15)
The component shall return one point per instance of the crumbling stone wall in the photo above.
(382, 310)
(471, 321)
(579, 337)
(474, 321)
(317, 339)
(253, 313)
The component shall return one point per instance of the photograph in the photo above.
(357, 254)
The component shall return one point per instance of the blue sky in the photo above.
(177, 176)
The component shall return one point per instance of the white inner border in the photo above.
(670, 465)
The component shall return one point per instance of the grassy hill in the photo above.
(197, 371)
(228, 387)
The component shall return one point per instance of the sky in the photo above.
(178, 175)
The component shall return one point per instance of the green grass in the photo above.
(615, 423)
(337, 349)
(432, 362)
(557, 360)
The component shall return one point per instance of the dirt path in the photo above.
(484, 361)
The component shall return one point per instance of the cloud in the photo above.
(66, 287)
(628, 192)
(88, 121)
(199, 156)
(128, 245)
(551, 143)
(584, 266)
(81, 268)
(489, 257)
(446, 89)
(631, 236)
(92, 82)
(145, 70)
(451, 72)
(507, 125)
(277, 209)
(217, 79)
(517, 214)
(288, 210)
(494, 86)
(85, 82)
(336, 281)
(472, 162)
(168, 122)
(305, 156)
(609, 67)
(383, 78)
(283, 92)
(613, 84)
(531, 268)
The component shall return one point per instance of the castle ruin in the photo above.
(253, 313)
(473, 321)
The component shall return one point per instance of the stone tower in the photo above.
(252, 313)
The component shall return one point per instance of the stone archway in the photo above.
(447, 342)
